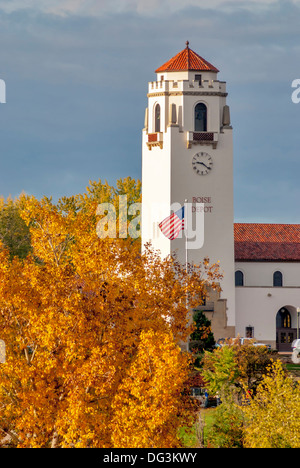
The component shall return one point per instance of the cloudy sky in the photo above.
(76, 73)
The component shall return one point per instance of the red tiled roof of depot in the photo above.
(186, 60)
(267, 242)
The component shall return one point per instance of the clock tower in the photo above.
(188, 158)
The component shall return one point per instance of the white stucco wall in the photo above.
(258, 306)
(261, 273)
(168, 176)
(258, 302)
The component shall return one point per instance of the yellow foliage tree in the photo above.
(149, 408)
(75, 316)
(273, 414)
(123, 198)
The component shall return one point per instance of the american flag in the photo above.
(173, 224)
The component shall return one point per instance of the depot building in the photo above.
(187, 155)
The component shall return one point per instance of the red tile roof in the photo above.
(186, 60)
(267, 242)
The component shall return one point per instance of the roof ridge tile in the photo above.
(187, 60)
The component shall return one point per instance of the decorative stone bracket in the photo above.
(155, 139)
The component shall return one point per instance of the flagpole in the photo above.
(186, 259)
(185, 230)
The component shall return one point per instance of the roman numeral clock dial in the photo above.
(202, 163)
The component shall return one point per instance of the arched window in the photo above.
(277, 278)
(200, 118)
(239, 278)
(157, 118)
(283, 319)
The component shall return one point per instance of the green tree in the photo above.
(226, 430)
(221, 371)
(202, 338)
(14, 233)
(236, 372)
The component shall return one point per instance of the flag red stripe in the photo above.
(171, 226)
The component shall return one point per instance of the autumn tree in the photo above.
(235, 366)
(102, 192)
(124, 200)
(15, 234)
(272, 415)
(149, 407)
(253, 363)
(235, 372)
(77, 316)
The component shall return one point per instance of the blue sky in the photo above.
(76, 73)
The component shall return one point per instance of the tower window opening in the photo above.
(157, 118)
(200, 118)
(199, 79)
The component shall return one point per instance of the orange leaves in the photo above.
(51, 233)
(148, 400)
(90, 328)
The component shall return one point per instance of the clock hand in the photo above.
(203, 164)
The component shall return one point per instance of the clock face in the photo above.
(202, 163)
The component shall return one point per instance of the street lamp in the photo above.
(298, 314)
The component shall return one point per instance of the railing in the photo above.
(202, 138)
(210, 86)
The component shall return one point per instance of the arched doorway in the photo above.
(285, 333)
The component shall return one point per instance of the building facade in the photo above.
(187, 161)
(188, 157)
(267, 278)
